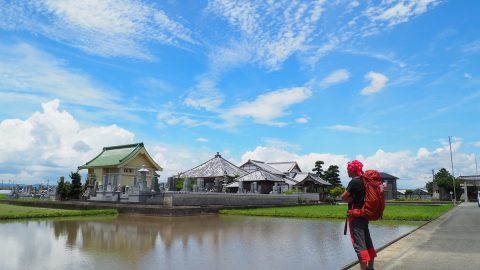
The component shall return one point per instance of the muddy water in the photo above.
(208, 242)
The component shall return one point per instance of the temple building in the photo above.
(212, 175)
(120, 166)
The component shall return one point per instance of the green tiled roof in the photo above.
(113, 155)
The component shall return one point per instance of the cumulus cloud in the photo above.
(335, 77)
(51, 143)
(266, 108)
(306, 161)
(175, 159)
(413, 168)
(106, 28)
(377, 83)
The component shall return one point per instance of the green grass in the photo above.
(8, 211)
(3, 196)
(392, 212)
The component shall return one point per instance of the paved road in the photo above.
(450, 242)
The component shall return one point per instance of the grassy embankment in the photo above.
(15, 212)
(392, 212)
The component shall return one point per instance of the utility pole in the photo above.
(476, 167)
(453, 174)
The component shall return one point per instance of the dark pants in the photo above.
(361, 240)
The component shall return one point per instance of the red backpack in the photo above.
(374, 199)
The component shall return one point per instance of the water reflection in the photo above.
(204, 242)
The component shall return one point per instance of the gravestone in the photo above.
(218, 187)
(200, 185)
(171, 184)
(186, 184)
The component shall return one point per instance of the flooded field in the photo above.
(202, 242)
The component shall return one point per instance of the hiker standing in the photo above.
(359, 232)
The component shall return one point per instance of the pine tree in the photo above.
(318, 169)
(60, 188)
(76, 188)
(332, 175)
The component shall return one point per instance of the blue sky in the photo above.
(383, 81)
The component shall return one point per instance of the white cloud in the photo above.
(467, 75)
(477, 144)
(400, 12)
(280, 144)
(306, 161)
(348, 128)
(28, 72)
(106, 28)
(205, 95)
(175, 159)
(413, 169)
(353, 4)
(51, 143)
(302, 120)
(202, 139)
(266, 108)
(335, 77)
(472, 47)
(377, 83)
(272, 30)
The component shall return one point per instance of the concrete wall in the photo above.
(223, 199)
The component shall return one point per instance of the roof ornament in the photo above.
(218, 155)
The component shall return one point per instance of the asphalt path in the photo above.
(449, 242)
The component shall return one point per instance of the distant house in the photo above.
(391, 185)
(291, 174)
(440, 193)
(254, 165)
(288, 168)
(118, 166)
(259, 181)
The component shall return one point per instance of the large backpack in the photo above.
(374, 199)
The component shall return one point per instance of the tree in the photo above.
(63, 189)
(408, 193)
(445, 180)
(429, 187)
(60, 187)
(332, 175)
(179, 183)
(336, 191)
(318, 169)
(76, 187)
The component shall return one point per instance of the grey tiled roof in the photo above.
(264, 166)
(284, 167)
(260, 175)
(215, 167)
(303, 176)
